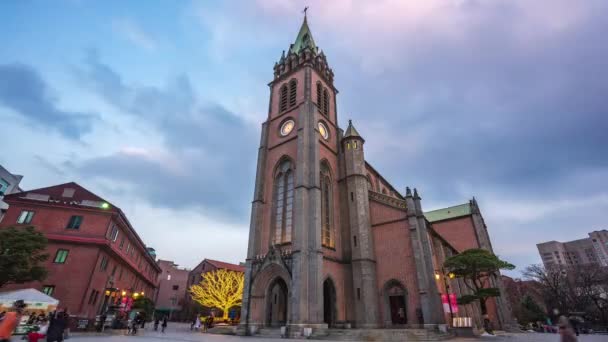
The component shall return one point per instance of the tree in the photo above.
(144, 304)
(476, 267)
(21, 252)
(530, 311)
(554, 286)
(222, 289)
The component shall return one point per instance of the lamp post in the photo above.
(447, 291)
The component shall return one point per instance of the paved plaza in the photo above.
(181, 332)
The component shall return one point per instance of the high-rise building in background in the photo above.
(590, 250)
(9, 184)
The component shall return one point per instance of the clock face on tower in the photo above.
(287, 127)
(323, 131)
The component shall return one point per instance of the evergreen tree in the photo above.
(476, 267)
(21, 253)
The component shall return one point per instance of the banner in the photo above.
(452, 302)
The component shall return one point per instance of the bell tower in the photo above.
(285, 231)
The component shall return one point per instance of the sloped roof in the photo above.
(351, 131)
(304, 39)
(56, 193)
(226, 265)
(29, 296)
(448, 213)
(79, 198)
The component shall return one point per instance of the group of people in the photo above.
(51, 327)
(157, 321)
(202, 322)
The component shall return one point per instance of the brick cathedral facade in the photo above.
(331, 242)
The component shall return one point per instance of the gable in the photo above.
(448, 213)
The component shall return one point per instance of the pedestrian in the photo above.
(10, 320)
(565, 330)
(57, 327)
(143, 319)
(574, 323)
(164, 324)
(156, 321)
(135, 322)
(197, 324)
(43, 328)
(193, 323)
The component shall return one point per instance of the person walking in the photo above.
(197, 323)
(193, 323)
(34, 336)
(156, 322)
(164, 326)
(57, 327)
(565, 330)
(10, 320)
(143, 319)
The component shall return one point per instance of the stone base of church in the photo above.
(427, 332)
(306, 330)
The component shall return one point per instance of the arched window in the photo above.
(369, 183)
(320, 96)
(283, 202)
(325, 102)
(383, 191)
(326, 206)
(283, 99)
(293, 85)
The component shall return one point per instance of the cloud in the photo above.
(201, 166)
(132, 32)
(23, 91)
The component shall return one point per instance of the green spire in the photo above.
(351, 131)
(303, 40)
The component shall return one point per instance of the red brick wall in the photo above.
(458, 232)
(394, 256)
(80, 274)
(276, 95)
(179, 277)
(340, 277)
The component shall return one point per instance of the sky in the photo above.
(157, 107)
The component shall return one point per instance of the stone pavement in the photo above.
(181, 332)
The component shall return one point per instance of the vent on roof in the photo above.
(37, 197)
(68, 192)
(89, 203)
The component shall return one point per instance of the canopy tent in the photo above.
(34, 299)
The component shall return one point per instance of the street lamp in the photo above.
(447, 290)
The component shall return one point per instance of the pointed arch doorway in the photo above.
(329, 302)
(277, 303)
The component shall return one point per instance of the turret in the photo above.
(363, 257)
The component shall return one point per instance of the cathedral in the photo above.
(332, 244)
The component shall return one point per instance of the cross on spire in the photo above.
(305, 9)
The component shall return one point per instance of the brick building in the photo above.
(95, 253)
(590, 250)
(516, 290)
(331, 241)
(172, 289)
(196, 276)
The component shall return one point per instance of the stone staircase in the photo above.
(268, 332)
(384, 335)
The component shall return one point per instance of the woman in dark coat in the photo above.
(57, 327)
